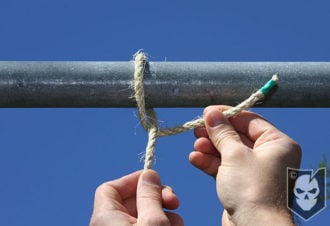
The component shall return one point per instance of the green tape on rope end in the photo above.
(269, 85)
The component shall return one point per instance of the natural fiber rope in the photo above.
(148, 116)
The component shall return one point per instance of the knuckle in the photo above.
(224, 136)
(150, 195)
(102, 188)
(168, 188)
(207, 109)
(175, 219)
(96, 220)
(296, 148)
(157, 220)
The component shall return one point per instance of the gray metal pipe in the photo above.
(167, 84)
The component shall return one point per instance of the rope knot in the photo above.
(148, 117)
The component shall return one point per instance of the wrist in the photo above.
(264, 216)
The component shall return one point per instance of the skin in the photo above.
(136, 199)
(246, 155)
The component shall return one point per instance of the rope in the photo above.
(148, 117)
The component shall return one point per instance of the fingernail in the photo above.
(151, 178)
(214, 119)
(170, 189)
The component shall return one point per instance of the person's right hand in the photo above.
(249, 157)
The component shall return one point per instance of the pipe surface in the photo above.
(167, 84)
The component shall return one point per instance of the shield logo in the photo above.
(306, 191)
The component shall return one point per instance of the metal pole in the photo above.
(167, 84)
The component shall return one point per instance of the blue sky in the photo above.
(51, 160)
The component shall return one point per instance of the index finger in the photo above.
(117, 190)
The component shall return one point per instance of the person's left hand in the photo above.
(137, 199)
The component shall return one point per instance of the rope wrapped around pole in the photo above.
(148, 117)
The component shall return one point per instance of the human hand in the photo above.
(248, 157)
(137, 199)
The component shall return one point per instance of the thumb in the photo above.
(149, 200)
(221, 133)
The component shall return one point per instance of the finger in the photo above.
(149, 200)
(249, 123)
(246, 141)
(130, 205)
(169, 198)
(252, 125)
(174, 218)
(223, 136)
(221, 108)
(111, 219)
(205, 145)
(108, 195)
(126, 185)
(209, 164)
(109, 203)
(200, 132)
(226, 218)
